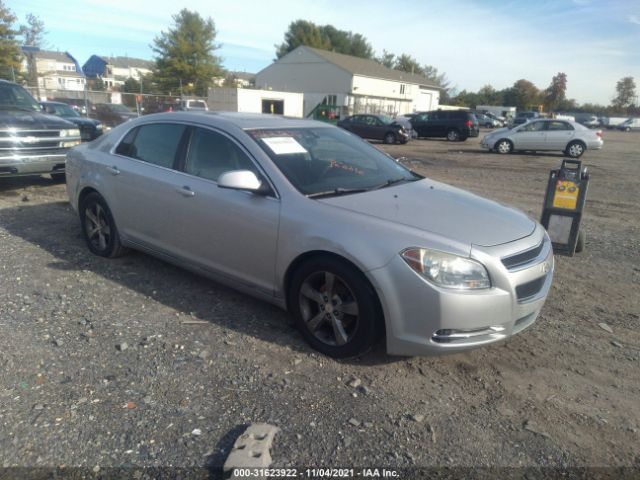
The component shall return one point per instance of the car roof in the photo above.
(245, 121)
(48, 102)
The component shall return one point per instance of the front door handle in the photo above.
(186, 191)
(114, 170)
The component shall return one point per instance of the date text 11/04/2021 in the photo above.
(314, 473)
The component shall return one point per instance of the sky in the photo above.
(475, 42)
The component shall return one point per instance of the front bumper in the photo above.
(18, 165)
(422, 318)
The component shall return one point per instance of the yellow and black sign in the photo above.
(563, 204)
(566, 195)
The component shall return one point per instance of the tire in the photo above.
(58, 177)
(582, 238)
(575, 149)
(488, 125)
(453, 135)
(98, 227)
(627, 129)
(503, 146)
(389, 138)
(344, 324)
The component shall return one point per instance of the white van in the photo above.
(629, 124)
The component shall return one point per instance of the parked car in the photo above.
(194, 104)
(486, 121)
(524, 117)
(629, 125)
(405, 121)
(89, 127)
(316, 221)
(80, 105)
(376, 127)
(544, 134)
(612, 122)
(112, 114)
(31, 142)
(454, 125)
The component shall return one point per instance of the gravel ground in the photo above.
(133, 362)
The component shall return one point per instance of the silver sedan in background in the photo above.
(317, 221)
(544, 134)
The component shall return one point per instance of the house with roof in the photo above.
(114, 71)
(353, 84)
(54, 70)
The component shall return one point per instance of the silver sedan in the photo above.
(544, 134)
(317, 221)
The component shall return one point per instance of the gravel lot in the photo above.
(102, 364)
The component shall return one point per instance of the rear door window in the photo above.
(157, 144)
(556, 126)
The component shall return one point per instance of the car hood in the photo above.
(443, 210)
(83, 121)
(31, 120)
(498, 131)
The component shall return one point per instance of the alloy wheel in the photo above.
(97, 226)
(576, 150)
(329, 308)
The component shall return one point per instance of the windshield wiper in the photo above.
(337, 192)
(394, 181)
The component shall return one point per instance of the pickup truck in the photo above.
(31, 142)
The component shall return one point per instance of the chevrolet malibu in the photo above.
(315, 220)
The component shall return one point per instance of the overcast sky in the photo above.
(595, 42)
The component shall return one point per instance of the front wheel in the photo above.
(390, 138)
(453, 135)
(335, 308)
(99, 228)
(503, 146)
(575, 149)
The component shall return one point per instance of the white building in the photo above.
(54, 70)
(355, 85)
(255, 101)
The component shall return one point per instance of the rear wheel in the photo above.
(99, 228)
(334, 307)
(575, 149)
(453, 135)
(390, 138)
(503, 146)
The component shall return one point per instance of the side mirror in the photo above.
(243, 180)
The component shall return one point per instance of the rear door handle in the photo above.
(114, 170)
(186, 191)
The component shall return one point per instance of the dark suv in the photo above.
(453, 125)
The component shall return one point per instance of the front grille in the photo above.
(22, 147)
(519, 259)
(29, 133)
(530, 289)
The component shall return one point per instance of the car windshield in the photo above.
(119, 108)
(61, 110)
(329, 161)
(14, 97)
(196, 104)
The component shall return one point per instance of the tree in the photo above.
(626, 93)
(523, 95)
(387, 59)
(406, 63)
(348, 43)
(9, 50)
(324, 37)
(555, 95)
(302, 32)
(33, 32)
(184, 54)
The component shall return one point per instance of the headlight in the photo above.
(99, 126)
(71, 132)
(447, 270)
